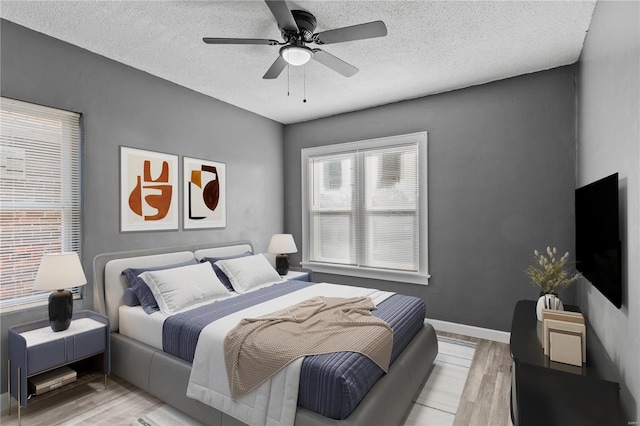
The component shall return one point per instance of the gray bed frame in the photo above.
(166, 377)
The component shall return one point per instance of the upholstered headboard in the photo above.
(109, 283)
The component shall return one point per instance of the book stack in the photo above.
(45, 382)
(564, 337)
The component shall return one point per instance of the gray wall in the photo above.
(609, 142)
(501, 179)
(125, 106)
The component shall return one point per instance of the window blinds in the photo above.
(39, 193)
(390, 221)
(364, 208)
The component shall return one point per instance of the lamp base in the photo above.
(60, 309)
(282, 264)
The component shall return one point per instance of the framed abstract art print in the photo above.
(148, 190)
(205, 194)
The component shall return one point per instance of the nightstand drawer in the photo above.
(45, 356)
(90, 343)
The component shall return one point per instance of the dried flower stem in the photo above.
(549, 272)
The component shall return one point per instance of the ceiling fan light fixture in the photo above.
(296, 55)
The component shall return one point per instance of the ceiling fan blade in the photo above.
(215, 40)
(283, 15)
(336, 64)
(355, 32)
(275, 69)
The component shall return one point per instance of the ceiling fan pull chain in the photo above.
(288, 66)
(304, 79)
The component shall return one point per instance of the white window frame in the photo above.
(422, 275)
(69, 203)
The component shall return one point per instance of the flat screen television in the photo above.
(598, 248)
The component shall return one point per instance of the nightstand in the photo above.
(34, 348)
(298, 274)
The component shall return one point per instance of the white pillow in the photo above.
(247, 273)
(178, 288)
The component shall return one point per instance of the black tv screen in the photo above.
(598, 248)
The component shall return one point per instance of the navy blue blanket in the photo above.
(332, 384)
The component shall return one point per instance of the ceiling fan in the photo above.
(297, 28)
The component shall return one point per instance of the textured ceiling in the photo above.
(431, 46)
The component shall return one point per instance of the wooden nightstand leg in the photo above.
(9, 384)
(105, 381)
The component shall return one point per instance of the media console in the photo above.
(545, 392)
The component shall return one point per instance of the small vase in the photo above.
(548, 301)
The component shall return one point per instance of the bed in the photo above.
(137, 355)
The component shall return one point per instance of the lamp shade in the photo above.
(58, 271)
(282, 243)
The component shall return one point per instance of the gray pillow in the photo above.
(221, 275)
(130, 298)
(142, 290)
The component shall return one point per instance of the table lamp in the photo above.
(282, 244)
(57, 272)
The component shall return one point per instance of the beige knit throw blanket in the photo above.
(257, 348)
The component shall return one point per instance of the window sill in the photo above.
(377, 274)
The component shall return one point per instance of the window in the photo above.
(39, 194)
(364, 208)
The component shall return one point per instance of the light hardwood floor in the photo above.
(484, 400)
(86, 402)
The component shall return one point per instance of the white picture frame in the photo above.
(148, 191)
(204, 193)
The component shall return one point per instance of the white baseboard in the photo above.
(470, 330)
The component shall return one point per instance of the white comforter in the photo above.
(274, 401)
